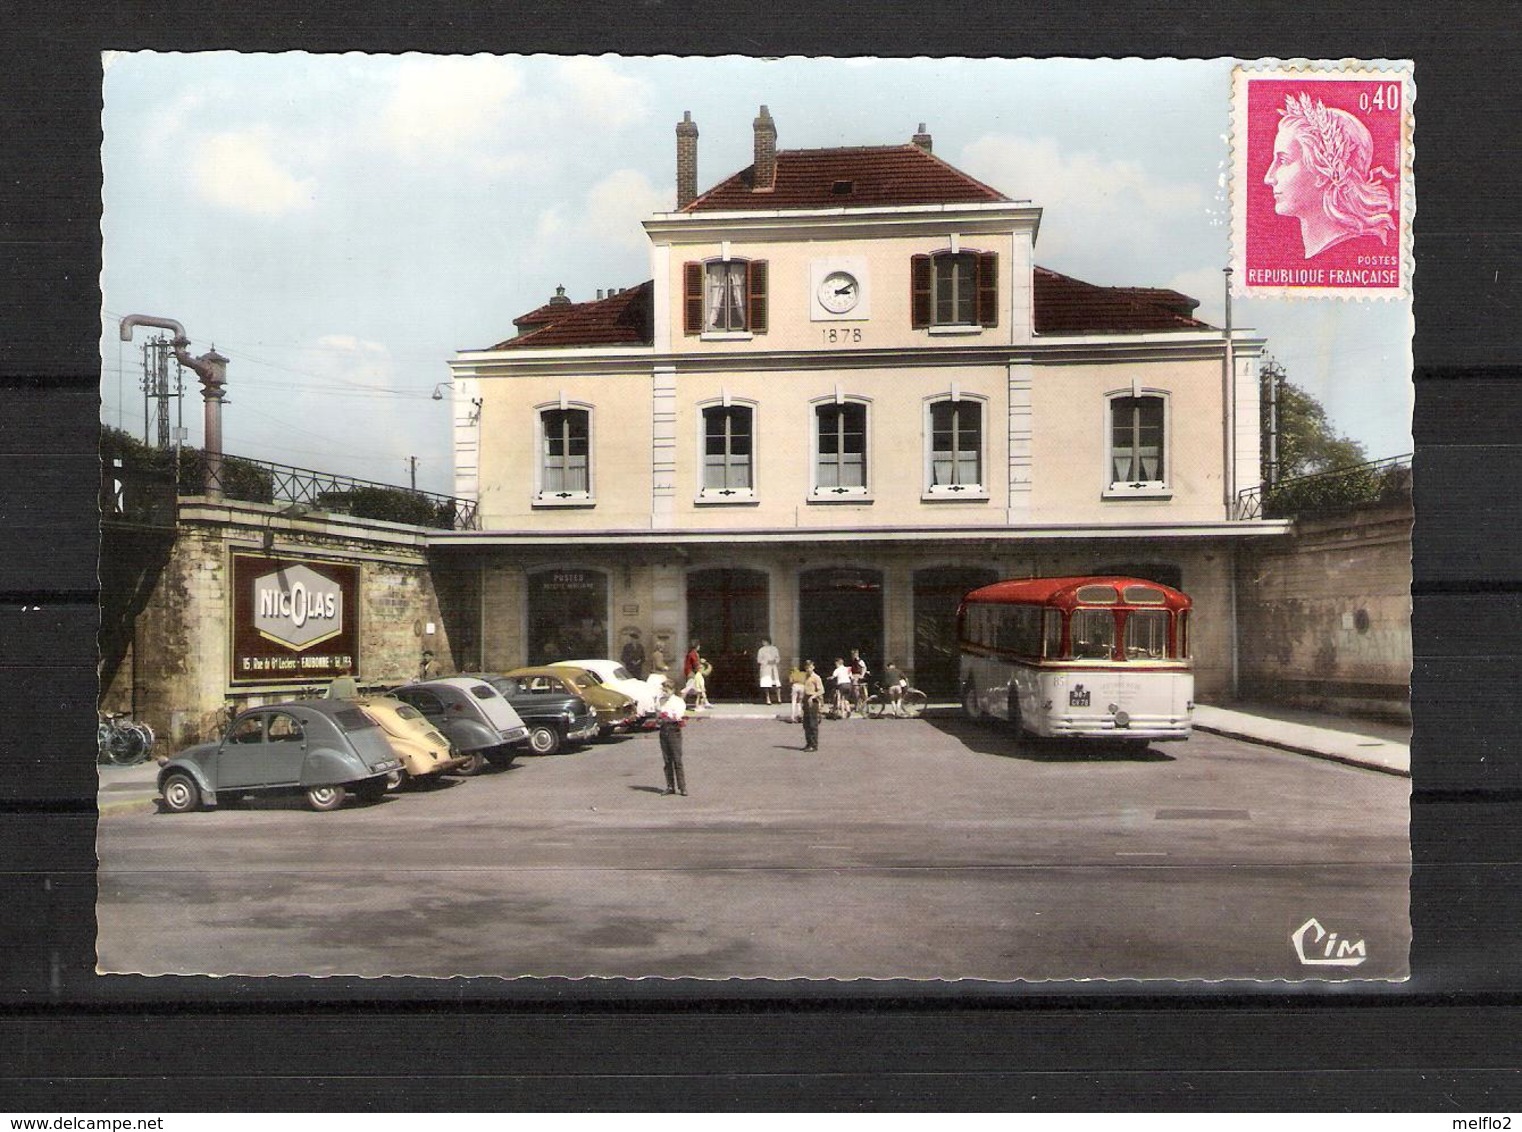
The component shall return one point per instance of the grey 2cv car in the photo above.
(473, 715)
(321, 748)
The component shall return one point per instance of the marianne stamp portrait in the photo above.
(1322, 193)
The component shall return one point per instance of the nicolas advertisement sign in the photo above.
(294, 619)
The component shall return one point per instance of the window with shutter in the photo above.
(756, 289)
(955, 289)
(692, 298)
(919, 291)
(988, 289)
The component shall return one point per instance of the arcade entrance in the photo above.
(728, 610)
(839, 609)
(937, 593)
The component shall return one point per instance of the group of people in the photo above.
(848, 680)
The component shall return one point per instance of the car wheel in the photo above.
(324, 798)
(181, 794)
(970, 700)
(474, 764)
(605, 732)
(1016, 725)
(544, 740)
(371, 790)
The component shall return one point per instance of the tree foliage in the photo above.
(1308, 444)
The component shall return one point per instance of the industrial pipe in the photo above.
(211, 368)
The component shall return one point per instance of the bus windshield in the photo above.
(1093, 633)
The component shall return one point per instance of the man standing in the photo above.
(813, 700)
(633, 656)
(672, 713)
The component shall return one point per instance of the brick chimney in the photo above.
(765, 174)
(686, 160)
(922, 139)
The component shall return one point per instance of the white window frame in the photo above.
(543, 497)
(725, 334)
(710, 495)
(938, 492)
(960, 256)
(840, 494)
(1146, 489)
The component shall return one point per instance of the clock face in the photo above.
(839, 291)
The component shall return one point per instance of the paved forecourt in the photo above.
(923, 849)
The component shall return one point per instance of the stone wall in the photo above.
(1324, 617)
(176, 674)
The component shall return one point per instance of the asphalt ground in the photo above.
(931, 849)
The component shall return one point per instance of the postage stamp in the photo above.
(1322, 191)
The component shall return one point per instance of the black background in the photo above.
(1450, 1039)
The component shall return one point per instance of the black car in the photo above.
(553, 714)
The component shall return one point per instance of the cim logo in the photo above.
(298, 607)
(1318, 947)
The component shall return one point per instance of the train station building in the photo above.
(846, 394)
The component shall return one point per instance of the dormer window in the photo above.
(843, 188)
(724, 296)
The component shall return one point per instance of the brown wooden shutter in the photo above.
(988, 288)
(919, 291)
(755, 293)
(692, 298)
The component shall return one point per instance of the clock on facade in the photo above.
(839, 292)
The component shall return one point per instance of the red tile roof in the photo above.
(1065, 305)
(623, 319)
(859, 177)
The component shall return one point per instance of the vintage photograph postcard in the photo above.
(723, 518)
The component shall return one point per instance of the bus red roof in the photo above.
(1063, 592)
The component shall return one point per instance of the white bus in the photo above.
(1098, 657)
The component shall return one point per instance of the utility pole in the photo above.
(412, 465)
(1273, 382)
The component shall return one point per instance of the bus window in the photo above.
(1098, 595)
(1183, 635)
(1147, 634)
(1052, 634)
(1144, 595)
(1020, 630)
(1093, 633)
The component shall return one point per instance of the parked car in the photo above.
(613, 675)
(553, 714)
(323, 748)
(423, 749)
(614, 709)
(477, 720)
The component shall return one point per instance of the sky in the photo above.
(339, 226)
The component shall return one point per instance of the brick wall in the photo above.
(176, 673)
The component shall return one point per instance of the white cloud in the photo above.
(443, 104)
(616, 205)
(600, 95)
(1088, 197)
(239, 171)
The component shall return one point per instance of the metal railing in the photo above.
(1359, 485)
(141, 490)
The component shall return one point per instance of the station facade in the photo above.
(846, 395)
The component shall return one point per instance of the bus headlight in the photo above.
(1122, 719)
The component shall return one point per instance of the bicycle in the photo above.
(121, 741)
(909, 704)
